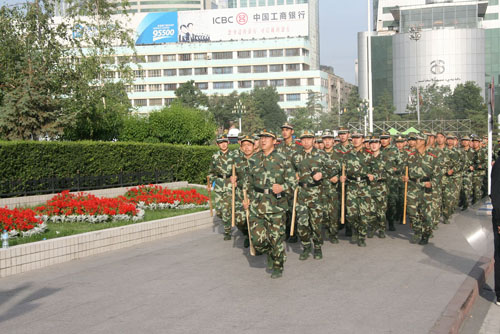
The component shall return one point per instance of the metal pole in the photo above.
(370, 91)
(240, 124)
(491, 111)
(418, 83)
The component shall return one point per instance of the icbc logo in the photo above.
(242, 18)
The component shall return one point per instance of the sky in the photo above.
(339, 23)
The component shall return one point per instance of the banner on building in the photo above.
(157, 28)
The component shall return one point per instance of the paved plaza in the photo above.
(198, 283)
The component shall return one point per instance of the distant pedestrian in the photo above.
(495, 200)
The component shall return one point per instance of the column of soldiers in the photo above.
(371, 174)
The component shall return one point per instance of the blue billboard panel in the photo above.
(157, 28)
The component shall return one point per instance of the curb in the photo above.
(461, 304)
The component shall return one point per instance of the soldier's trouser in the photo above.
(240, 216)
(420, 209)
(451, 191)
(393, 200)
(466, 192)
(436, 204)
(358, 207)
(309, 222)
(268, 236)
(288, 217)
(378, 208)
(477, 185)
(223, 209)
(332, 213)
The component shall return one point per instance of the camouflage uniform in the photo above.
(268, 210)
(480, 171)
(309, 206)
(340, 151)
(421, 168)
(330, 193)
(399, 172)
(466, 193)
(358, 199)
(392, 155)
(220, 172)
(452, 183)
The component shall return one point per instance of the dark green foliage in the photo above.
(26, 160)
(266, 103)
(191, 96)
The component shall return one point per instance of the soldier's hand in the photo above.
(234, 179)
(371, 177)
(334, 179)
(246, 204)
(277, 188)
(471, 168)
(405, 178)
(450, 172)
(343, 178)
(317, 176)
(427, 184)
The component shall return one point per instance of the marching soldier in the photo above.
(480, 167)
(421, 171)
(270, 178)
(469, 155)
(330, 189)
(357, 193)
(220, 172)
(400, 171)
(391, 154)
(310, 165)
(343, 147)
(452, 178)
(256, 145)
(440, 169)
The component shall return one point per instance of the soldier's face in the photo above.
(247, 148)
(440, 139)
(357, 141)
(286, 133)
(450, 142)
(343, 137)
(307, 143)
(412, 143)
(267, 143)
(465, 143)
(321, 146)
(223, 146)
(367, 144)
(476, 144)
(385, 142)
(375, 146)
(431, 140)
(328, 143)
(256, 145)
(420, 143)
(400, 145)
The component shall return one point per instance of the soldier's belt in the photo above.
(422, 179)
(224, 176)
(358, 178)
(309, 185)
(263, 191)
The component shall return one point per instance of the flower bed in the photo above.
(154, 197)
(22, 221)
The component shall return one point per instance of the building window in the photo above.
(305, 67)
(185, 57)
(154, 73)
(282, 97)
(139, 74)
(292, 82)
(139, 88)
(170, 72)
(244, 69)
(185, 71)
(139, 59)
(202, 85)
(277, 83)
(276, 68)
(245, 84)
(244, 54)
(201, 71)
(108, 60)
(260, 69)
(305, 52)
(200, 56)
(170, 86)
(491, 16)
(140, 102)
(154, 58)
(222, 55)
(260, 83)
(123, 59)
(155, 88)
(109, 75)
(129, 88)
(293, 97)
(222, 70)
(292, 67)
(168, 101)
(292, 52)
(169, 58)
(260, 53)
(155, 102)
(223, 85)
(276, 53)
(310, 81)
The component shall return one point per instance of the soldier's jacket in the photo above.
(455, 161)
(221, 170)
(393, 156)
(341, 149)
(443, 160)
(242, 169)
(264, 171)
(288, 149)
(381, 167)
(422, 168)
(306, 165)
(335, 169)
(469, 157)
(357, 170)
(480, 161)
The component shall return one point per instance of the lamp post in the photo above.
(362, 109)
(415, 35)
(239, 109)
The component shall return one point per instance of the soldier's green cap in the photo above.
(248, 139)
(265, 133)
(385, 135)
(222, 138)
(328, 134)
(429, 133)
(357, 134)
(475, 138)
(450, 136)
(465, 138)
(412, 136)
(306, 134)
(255, 136)
(400, 139)
(287, 126)
(319, 140)
(343, 130)
(338, 139)
(420, 136)
(375, 139)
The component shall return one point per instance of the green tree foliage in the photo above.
(265, 101)
(136, 128)
(350, 109)
(190, 95)
(466, 97)
(384, 110)
(221, 107)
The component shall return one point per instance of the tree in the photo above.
(190, 95)
(433, 102)
(265, 100)
(351, 114)
(302, 119)
(136, 128)
(221, 107)
(384, 110)
(466, 97)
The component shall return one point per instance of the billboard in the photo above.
(157, 28)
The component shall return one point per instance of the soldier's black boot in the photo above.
(270, 262)
(391, 226)
(277, 273)
(318, 255)
(381, 234)
(361, 243)
(370, 234)
(334, 239)
(348, 231)
(424, 240)
(227, 236)
(415, 238)
(305, 253)
(246, 243)
(293, 239)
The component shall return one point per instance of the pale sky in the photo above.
(339, 23)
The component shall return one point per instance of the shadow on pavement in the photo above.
(445, 260)
(25, 305)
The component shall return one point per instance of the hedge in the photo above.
(28, 160)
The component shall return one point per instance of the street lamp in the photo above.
(239, 109)
(363, 109)
(415, 35)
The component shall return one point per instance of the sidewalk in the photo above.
(197, 283)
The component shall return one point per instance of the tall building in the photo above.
(457, 42)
